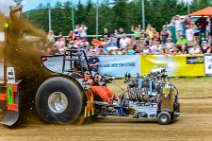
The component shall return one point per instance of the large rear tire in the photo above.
(59, 101)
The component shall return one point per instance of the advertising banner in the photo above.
(118, 65)
(176, 65)
(208, 64)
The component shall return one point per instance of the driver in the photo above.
(102, 91)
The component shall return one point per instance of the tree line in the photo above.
(112, 15)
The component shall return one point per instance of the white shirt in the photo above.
(194, 50)
(190, 34)
(155, 49)
(124, 42)
(60, 44)
(178, 25)
(169, 45)
(83, 31)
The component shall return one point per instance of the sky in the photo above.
(33, 4)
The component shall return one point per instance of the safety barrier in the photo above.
(176, 65)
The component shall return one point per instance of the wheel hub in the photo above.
(57, 102)
(163, 118)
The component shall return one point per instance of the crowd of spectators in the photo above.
(194, 41)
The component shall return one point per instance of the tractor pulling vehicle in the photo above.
(66, 96)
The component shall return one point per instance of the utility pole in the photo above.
(188, 7)
(143, 14)
(97, 17)
(72, 15)
(50, 19)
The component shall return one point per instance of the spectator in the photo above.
(164, 49)
(96, 48)
(116, 52)
(181, 44)
(148, 40)
(155, 34)
(115, 33)
(170, 45)
(164, 34)
(71, 35)
(142, 36)
(189, 36)
(195, 49)
(119, 36)
(202, 23)
(178, 26)
(205, 48)
(136, 31)
(51, 37)
(105, 33)
(78, 40)
(124, 42)
(112, 41)
(210, 29)
(77, 30)
(146, 50)
(102, 51)
(93, 61)
(175, 50)
(138, 46)
(130, 50)
(83, 30)
(88, 50)
(150, 31)
(62, 37)
(71, 45)
(60, 45)
(104, 43)
(95, 41)
(187, 21)
(156, 48)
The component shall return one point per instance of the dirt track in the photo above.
(195, 123)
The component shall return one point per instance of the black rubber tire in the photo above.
(70, 90)
(164, 118)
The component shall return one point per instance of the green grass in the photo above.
(190, 87)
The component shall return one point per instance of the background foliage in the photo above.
(112, 15)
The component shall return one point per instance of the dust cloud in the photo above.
(25, 45)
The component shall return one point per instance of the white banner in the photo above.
(208, 64)
(118, 65)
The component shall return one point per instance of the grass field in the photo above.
(188, 87)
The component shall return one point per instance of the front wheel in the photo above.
(164, 118)
(59, 101)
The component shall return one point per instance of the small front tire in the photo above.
(164, 118)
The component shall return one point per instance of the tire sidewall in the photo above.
(70, 90)
(168, 116)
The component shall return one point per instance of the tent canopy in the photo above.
(204, 12)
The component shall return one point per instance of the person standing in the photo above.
(165, 34)
(178, 26)
(93, 61)
(51, 37)
(83, 30)
(202, 23)
(190, 36)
